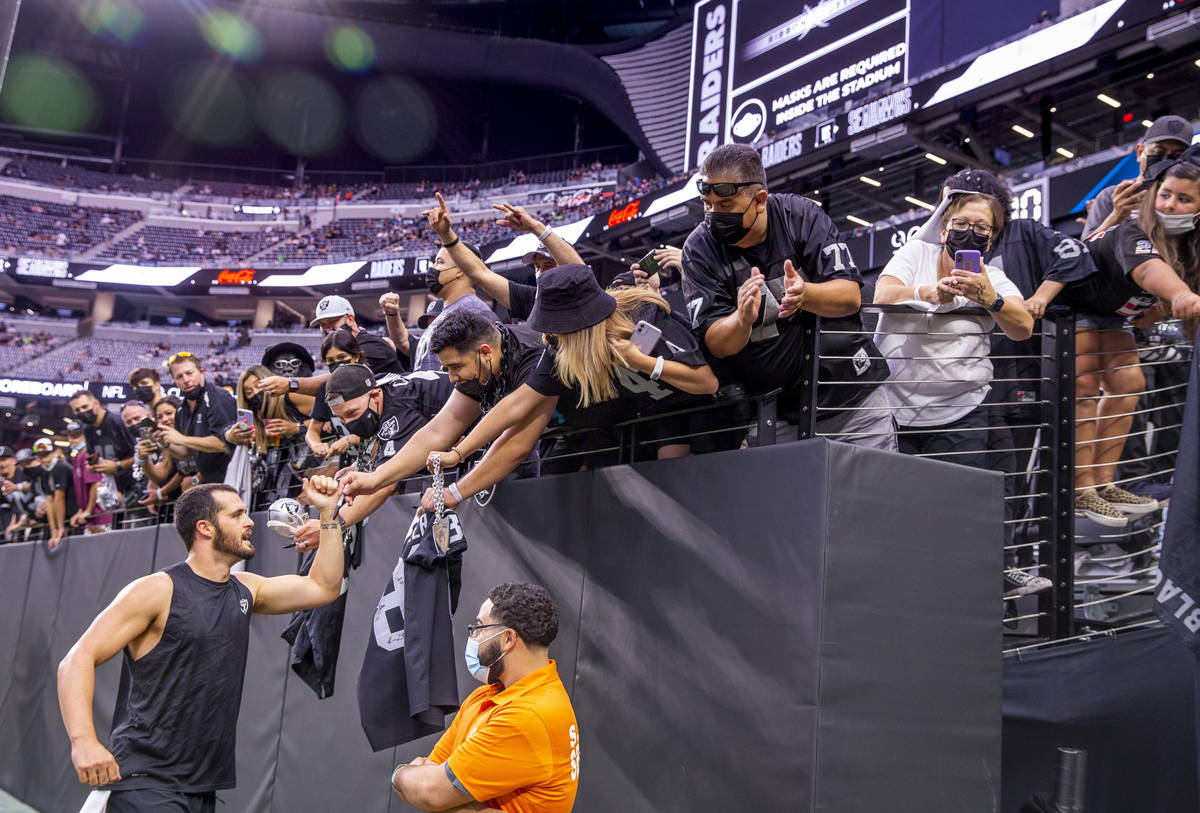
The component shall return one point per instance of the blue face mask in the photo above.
(471, 655)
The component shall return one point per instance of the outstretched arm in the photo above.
(292, 592)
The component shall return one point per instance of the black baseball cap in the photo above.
(6, 451)
(1169, 128)
(348, 382)
(569, 299)
(431, 313)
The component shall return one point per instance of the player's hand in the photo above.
(272, 385)
(389, 303)
(669, 257)
(793, 291)
(321, 491)
(1185, 306)
(438, 219)
(518, 219)
(1127, 197)
(750, 297)
(94, 765)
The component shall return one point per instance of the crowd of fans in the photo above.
(545, 389)
(39, 229)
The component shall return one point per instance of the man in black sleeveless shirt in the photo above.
(184, 632)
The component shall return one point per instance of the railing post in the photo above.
(809, 377)
(1058, 504)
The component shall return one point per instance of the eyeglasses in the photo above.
(723, 189)
(182, 354)
(474, 628)
(982, 229)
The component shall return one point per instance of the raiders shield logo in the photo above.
(245, 604)
(390, 429)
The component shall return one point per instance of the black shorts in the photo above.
(160, 800)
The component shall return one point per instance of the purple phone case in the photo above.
(968, 260)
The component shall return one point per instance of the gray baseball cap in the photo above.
(1169, 128)
(331, 307)
(540, 251)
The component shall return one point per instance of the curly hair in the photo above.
(984, 183)
(527, 609)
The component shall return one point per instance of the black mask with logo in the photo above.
(727, 227)
(965, 240)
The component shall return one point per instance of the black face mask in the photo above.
(145, 394)
(1153, 161)
(431, 282)
(726, 227)
(255, 402)
(194, 394)
(365, 425)
(965, 240)
(88, 416)
(333, 365)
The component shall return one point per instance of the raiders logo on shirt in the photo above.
(390, 429)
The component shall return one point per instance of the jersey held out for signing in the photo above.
(1117, 252)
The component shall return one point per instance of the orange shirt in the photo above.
(518, 748)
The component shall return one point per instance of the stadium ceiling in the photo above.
(1144, 79)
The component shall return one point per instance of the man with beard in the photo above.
(514, 744)
(201, 422)
(485, 362)
(184, 632)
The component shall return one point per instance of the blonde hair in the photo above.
(1181, 251)
(273, 405)
(586, 359)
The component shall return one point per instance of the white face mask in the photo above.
(1176, 224)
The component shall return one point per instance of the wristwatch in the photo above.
(293, 385)
(998, 305)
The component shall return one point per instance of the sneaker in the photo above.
(1130, 503)
(1019, 583)
(1089, 504)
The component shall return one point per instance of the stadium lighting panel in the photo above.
(1108, 100)
(331, 274)
(937, 159)
(1147, 123)
(1022, 130)
(858, 220)
(1065, 153)
(146, 276)
(919, 202)
(870, 181)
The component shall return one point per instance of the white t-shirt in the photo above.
(939, 362)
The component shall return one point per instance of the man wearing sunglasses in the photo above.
(514, 744)
(752, 271)
(200, 424)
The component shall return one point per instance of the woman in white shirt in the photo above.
(940, 366)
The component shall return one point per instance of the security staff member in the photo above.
(514, 745)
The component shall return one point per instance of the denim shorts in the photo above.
(1095, 321)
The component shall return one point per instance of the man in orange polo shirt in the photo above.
(514, 745)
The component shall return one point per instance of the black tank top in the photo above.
(175, 722)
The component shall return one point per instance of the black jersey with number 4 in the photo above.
(797, 230)
(638, 394)
(409, 402)
(1117, 252)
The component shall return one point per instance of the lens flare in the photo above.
(350, 49)
(231, 35)
(48, 93)
(395, 119)
(301, 112)
(210, 104)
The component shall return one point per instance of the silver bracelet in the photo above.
(658, 368)
(454, 492)
(542, 237)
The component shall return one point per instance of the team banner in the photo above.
(1178, 589)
